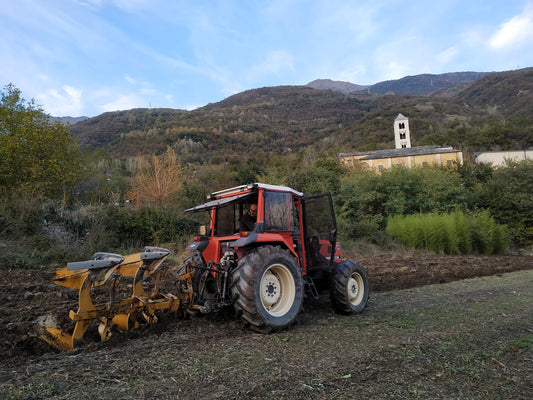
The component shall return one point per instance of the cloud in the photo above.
(124, 102)
(89, 3)
(64, 102)
(274, 62)
(353, 75)
(514, 33)
(190, 107)
(129, 79)
(131, 5)
(447, 55)
(126, 5)
(397, 69)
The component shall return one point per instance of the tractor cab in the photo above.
(305, 225)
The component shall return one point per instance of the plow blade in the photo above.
(103, 297)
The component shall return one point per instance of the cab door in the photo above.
(320, 231)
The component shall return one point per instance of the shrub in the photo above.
(508, 197)
(127, 229)
(450, 233)
(368, 228)
(35, 234)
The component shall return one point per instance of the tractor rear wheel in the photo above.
(349, 287)
(267, 289)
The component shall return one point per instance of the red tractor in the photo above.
(262, 263)
(264, 271)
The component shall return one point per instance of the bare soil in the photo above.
(423, 342)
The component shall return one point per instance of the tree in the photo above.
(508, 197)
(38, 157)
(158, 181)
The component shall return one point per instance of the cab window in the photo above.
(279, 211)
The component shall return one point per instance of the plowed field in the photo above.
(27, 295)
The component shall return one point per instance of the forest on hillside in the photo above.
(491, 113)
(66, 194)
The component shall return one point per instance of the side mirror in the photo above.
(333, 236)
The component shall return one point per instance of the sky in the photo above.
(87, 57)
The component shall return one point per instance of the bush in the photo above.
(487, 236)
(508, 197)
(123, 228)
(34, 234)
(401, 191)
(368, 228)
(452, 233)
(20, 216)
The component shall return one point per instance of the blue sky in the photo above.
(86, 57)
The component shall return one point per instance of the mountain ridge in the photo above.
(338, 86)
(286, 119)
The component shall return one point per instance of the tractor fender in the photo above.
(275, 239)
(245, 240)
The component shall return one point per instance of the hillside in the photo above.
(70, 120)
(426, 84)
(337, 86)
(285, 119)
(421, 85)
(507, 92)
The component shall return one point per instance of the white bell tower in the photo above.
(402, 136)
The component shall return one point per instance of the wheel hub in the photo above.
(270, 289)
(353, 289)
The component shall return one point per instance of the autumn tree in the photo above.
(38, 157)
(158, 181)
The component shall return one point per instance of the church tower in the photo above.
(402, 137)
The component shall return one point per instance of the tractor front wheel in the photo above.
(349, 287)
(267, 289)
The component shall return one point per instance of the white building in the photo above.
(499, 158)
(402, 136)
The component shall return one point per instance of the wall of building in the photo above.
(378, 164)
(498, 158)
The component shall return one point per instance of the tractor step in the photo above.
(310, 287)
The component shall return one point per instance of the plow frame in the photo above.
(129, 313)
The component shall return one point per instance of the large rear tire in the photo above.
(349, 288)
(267, 289)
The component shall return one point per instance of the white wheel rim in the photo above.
(277, 290)
(354, 288)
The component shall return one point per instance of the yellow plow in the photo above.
(123, 310)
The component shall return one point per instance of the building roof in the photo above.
(522, 151)
(405, 152)
(401, 117)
